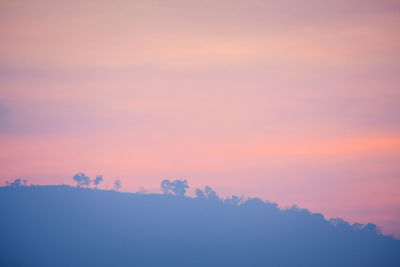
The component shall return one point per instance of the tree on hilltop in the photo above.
(99, 178)
(81, 179)
(177, 187)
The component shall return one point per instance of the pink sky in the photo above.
(296, 102)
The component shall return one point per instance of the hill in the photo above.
(69, 226)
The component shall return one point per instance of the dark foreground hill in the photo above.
(66, 226)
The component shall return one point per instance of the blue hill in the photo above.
(69, 226)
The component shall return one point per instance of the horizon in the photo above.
(240, 200)
(190, 192)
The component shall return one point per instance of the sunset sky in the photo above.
(296, 102)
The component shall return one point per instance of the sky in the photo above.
(296, 102)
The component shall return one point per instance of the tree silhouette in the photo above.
(207, 193)
(99, 178)
(117, 185)
(234, 200)
(17, 183)
(81, 179)
(200, 194)
(166, 186)
(177, 187)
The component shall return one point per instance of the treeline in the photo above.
(79, 226)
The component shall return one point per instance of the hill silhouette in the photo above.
(72, 226)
